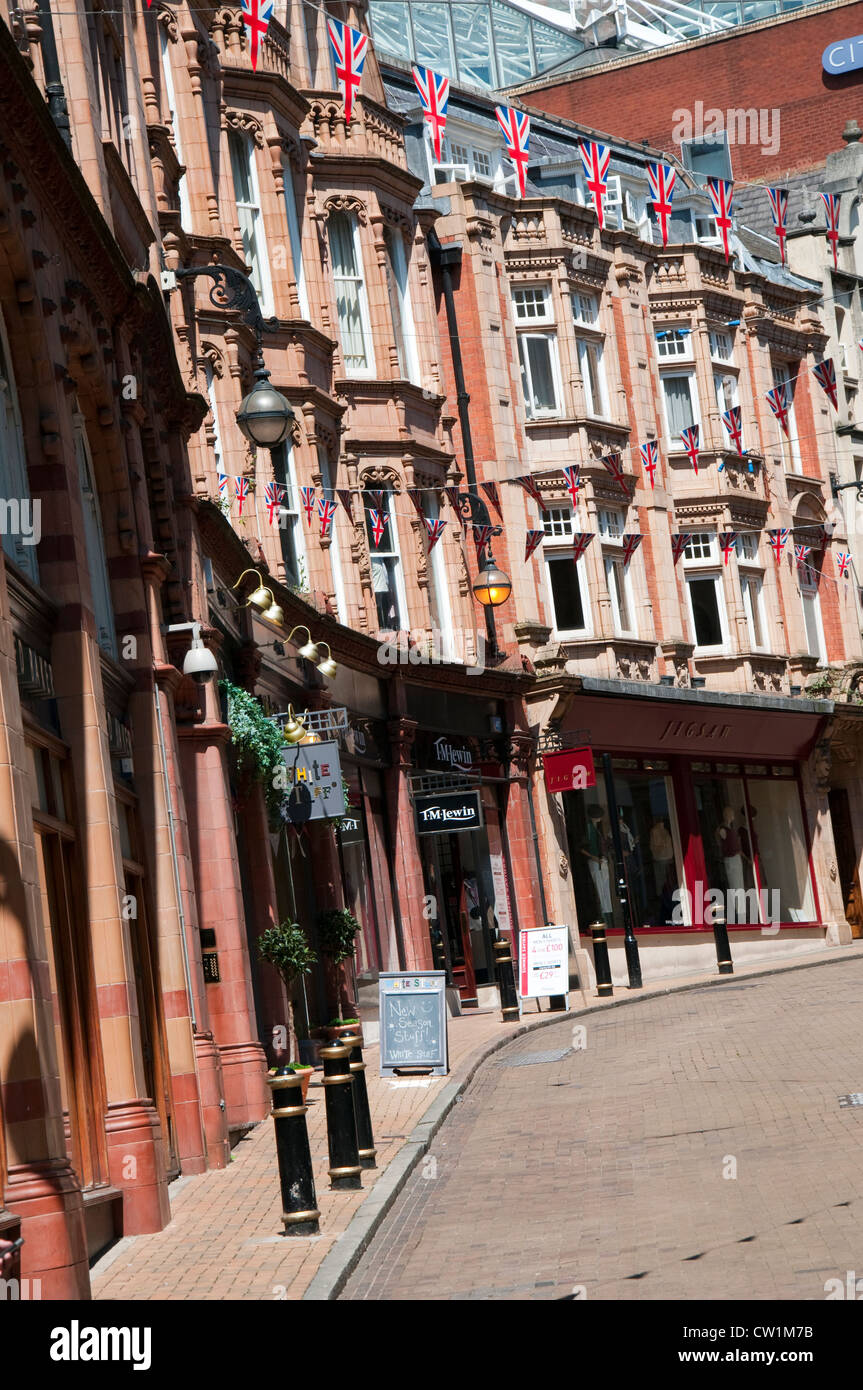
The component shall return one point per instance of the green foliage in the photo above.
(286, 947)
(256, 740)
(341, 1022)
(336, 930)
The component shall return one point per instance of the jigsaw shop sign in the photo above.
(313, 783)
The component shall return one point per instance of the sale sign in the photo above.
(571, 770)
(543, 961)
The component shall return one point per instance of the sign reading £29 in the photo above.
(843, 56)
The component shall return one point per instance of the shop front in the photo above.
(699, 807)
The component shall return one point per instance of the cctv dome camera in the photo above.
(200, 663)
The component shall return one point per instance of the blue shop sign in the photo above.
(843, 56)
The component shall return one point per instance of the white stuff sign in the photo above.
(544, 961)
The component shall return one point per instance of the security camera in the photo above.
(199, 662)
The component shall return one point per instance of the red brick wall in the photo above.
(778, 65)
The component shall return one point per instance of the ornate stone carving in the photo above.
(246, 124)
(168, 20)
(346, 202)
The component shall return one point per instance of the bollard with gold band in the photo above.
(338, 1085)
(299, 1204)
(362, 1114)
(600, 959)
(724, 962)
(506, 979)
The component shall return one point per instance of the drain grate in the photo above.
(530, 1059)
(856, 1098)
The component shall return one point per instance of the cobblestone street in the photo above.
(694, 1147)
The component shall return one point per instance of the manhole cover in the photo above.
(530, 1059)
(856, 1098)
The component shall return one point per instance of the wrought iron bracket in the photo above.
(234, 290)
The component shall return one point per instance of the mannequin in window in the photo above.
(595, 850)
(728, 840)
(661, 852)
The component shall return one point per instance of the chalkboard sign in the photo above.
(413, 1022)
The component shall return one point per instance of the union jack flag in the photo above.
(732, 421)
(308, 496)
(777, 399)
(326, 511)
(596, 158)
(532, 490)
(580, 541)
(831, 203)
(346, 498)
(349, 50)
(649, 459)
(612, 464)
(661, 179)
(720, 191)
(434, 95)
(256, 17)
(531, 541)
(241, 489)
(679, 541)
(491, 492)
(571, 473)
(843, 560)
(379, 521)
(825, 374)
(434, 528)
(779, 207)
(416, 496)
(272, 497)
(454, 496)
(727, 544)
(630, 545)
(778, 538)
(481, 538)
(689, 439)
(223, 485)
(516, 133)
(801, 554)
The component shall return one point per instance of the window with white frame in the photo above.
(13, 469)
(440, 607)
(845, 359)
(565, 577)
(591, 366)
(725, 386)
(705, 229)
(721, 346)
(751, 574)
(537, 351)
(170, 97)
(295, 237)
(210, 380)
(248, 200)
(351, 301)
(334, 549)
(400, 304)
(290, 526)
(585, 309)
(813, 626)
(94, 540)
(612, 523)
(790, 444)
(463, 160)
(674, 343)
(680, 403)
(386, 566)
(703, 578)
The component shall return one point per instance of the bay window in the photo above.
(400, 304)
(351, 302)
(679, 389)
(703, 577)
(295, 238)
(567, 588)
(248, 200)
(386, 567)
(537, 352)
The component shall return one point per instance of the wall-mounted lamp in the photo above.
(263, 599)
(294, 730)
(310, 651)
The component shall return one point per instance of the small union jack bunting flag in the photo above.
(679, 541)
(378, 495)
(630, 545)
(661, 179)
(779, 207)
(531, 541)
(733, 423)
(308, 496)
(780, 404)
(224, 480)
(416, 496)
(516, 133)
(831, 203)
(843, 561)
(481, 538)
(689, 438)
(454, 494)
(434, 527)
(532, 490)
(778, 538)
(727, 544)
(801, 554)
(825, 374)
(379, 524)
(721, 194)
(596, 159)
(346, 498)
(241, 491)
(491, 492)
(649, 459)
(272, 497)
(580, 541)
(613, 465)
(349, 50)
(434, 95)
(570, 474)
(326, 512)
(256, 17)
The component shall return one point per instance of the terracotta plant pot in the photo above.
(336, 1031)
(305, 1078)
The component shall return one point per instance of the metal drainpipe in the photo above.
(445, 257)
(54, 92)
(172, 833)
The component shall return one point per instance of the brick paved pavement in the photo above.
(605, 1169)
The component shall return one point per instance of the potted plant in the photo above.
(286, 948)
(337, 930)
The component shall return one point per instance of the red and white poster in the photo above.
(543, 962)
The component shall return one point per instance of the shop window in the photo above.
(386, 568)
(13, 470)
(351, 302)
(400, 304)
(248, 201)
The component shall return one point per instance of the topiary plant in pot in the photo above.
(337, 930)
(286, 948)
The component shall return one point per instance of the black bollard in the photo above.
(362, 1114)
(723, 945)
(299, 1204)
(341, 1122)
(600, 959)
(506, 979)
